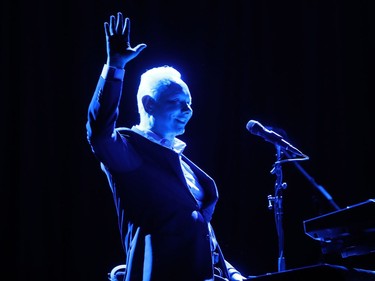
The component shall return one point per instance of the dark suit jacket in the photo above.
(164, 232)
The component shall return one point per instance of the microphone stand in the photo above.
(320, 188)
(275, 202)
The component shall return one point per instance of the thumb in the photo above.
(139, 48)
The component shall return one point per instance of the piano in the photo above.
(349, 231)
(318, 272)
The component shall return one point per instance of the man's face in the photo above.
(172, 111)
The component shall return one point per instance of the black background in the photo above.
(303, 67)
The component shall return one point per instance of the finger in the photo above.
(112, 23)
(126, 30)
(119, 23)
(106, 29)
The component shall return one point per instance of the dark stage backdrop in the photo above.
(303, 67)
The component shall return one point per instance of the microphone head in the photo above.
(258, 129)
(254, 127)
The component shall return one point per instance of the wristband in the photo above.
(109, 72)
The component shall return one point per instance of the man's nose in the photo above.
(186, 107)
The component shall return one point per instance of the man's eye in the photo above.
(177, 101)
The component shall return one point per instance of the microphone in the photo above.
(258, 129)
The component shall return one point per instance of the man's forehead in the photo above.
(172, 92)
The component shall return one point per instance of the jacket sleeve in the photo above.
(103, 111)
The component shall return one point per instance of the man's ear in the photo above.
(148, 103)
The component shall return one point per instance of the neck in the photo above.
(146, 127)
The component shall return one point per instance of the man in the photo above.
(164, 202)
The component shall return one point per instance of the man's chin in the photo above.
(180, 132)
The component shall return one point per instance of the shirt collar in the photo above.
(176, 145)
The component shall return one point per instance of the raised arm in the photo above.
(104, 109)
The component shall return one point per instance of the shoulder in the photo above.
(130, 135)
(124, 131)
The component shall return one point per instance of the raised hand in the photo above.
(119, 50)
